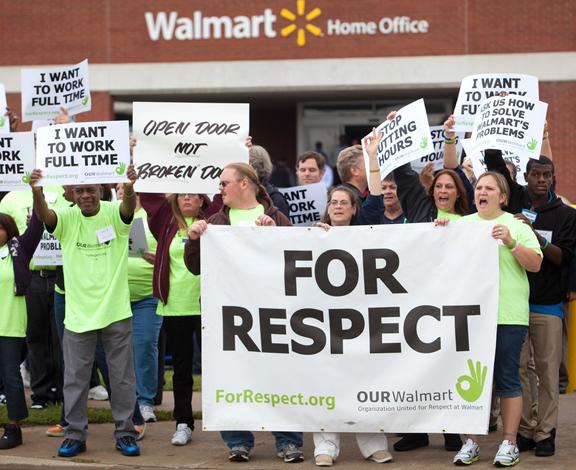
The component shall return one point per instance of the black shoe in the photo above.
(411, 442)
(545, 448)
(452, 442)
(493, 427)
(12, 437)
(39, 405)
(524, 443)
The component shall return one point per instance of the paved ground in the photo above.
(208, 452)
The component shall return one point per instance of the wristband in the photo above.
(513, 250)
(449, 140)
(512, 245)
(546, 245)
(375, 171)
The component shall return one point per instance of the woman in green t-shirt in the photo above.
(15, 254)
(518, 252)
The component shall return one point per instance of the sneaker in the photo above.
(507, 455)
(291, 453)
(141, 430)
(381, 456)
(148, 413)
(182, 436)
(2, 399)
(324, 460)
(524, 443)
(127, 445)
(71, 448)
(98, 393)
(239, 454)
(452, 442)
(12, 437)
(411, 442)
(468, 454)
(39, 405)
(545, 448)
(56, 431)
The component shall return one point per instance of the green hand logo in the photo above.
(424, 142)
(85, 101)
(2, 121)
(532, 144)
(121, 169)
(475, 381)
(26, 177)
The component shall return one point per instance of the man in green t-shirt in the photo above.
(94, 238)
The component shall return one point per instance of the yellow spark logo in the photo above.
(301, 9)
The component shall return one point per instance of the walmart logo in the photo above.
(301, 12)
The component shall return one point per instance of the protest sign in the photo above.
(4, 120)
(137, 243)
(476, 88)
(45, 91)
(306, 204)
(512, 123)
(377, 343)
(519, 162)
(48, 252)
(83, 153)
(16, 160)
(182, 147)
(404, 139)
(437, 156)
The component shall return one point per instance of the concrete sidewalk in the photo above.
(207, 450)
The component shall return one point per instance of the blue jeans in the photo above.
(246, 438)
(10, 358)
(509, 342)
(145, 329)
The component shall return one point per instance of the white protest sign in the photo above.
(137, 243)
(306, 204)
(323, 306)
(48, 252)
(83, 153)
(512, 123)
(4, 120)
(437, 156)
(182, 147)
(519, 161)
(16, 161)
(404, 139)
(45, 91)
(476, 88)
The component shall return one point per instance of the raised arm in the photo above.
(45, 214)
(128, 205)
(371, 143)
(450, 141)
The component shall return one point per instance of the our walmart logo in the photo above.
(307, 18)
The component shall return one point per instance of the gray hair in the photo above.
(260, 160)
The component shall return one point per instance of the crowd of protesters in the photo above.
(103, 311)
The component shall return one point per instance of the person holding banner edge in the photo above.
(245, 203)
(519, 252)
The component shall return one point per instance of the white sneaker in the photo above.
(507, 455)
(182, 436)
(468, 454)
(148, 413)
(98, 393)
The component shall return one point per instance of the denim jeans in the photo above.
(10, 358)
(145, 329)
(246, 438)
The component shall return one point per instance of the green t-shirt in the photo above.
(447, 215)
(96, 270)
(514, 288)
(139, 270)
(18, 204)
(12, 307)
(184, 294)
(245, 216)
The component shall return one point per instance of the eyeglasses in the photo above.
(187, 195)
(335, 203)
(223, 183)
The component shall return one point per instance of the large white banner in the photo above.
(352, 329)
(4, 120)
(182, 147)
(306, 204)
(16, 161)
(510, 123)
(45, 91)
(476, 88)
(83, 153)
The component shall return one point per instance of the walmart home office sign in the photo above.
(299, 22)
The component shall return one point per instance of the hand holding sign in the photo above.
(197, 229)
